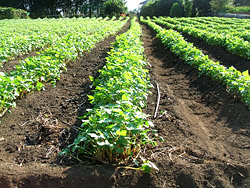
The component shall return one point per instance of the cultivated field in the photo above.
(154, 102)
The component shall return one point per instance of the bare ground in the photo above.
(217, 53)
(206, 130)
(10, 65)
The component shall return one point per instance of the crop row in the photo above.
(203, 24)
(47, 66)
(234, 80)
(233, 30)
(232, 44)
(230, 21)
(116, 129)
(21, 37)
(221, 21)
(230, 30)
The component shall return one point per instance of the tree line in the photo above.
(57, 8)
(179, 8)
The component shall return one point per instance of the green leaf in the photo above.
(124, 97)
(126, 75)
(146, 168)
(119, 150)
(91, 97)
(39, 85)
(245, 73)
(121, 133)
(91, 78)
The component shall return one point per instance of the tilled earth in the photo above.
(206, 129)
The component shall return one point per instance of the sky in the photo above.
(133, 4)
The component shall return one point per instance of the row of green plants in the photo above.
(116, 130)
(231, 43)
(32, 72)
(220, 27)
(234, 80)
(18, 37)
(222, 21)
(240, 30)
(229, 29)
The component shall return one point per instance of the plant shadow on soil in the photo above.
(46, 121)
(206, 130)
(214, 94)
(208, 123)
(217, 53)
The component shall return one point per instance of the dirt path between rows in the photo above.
(9, 66)
(206, 130)
(218, 53)
(44, 122)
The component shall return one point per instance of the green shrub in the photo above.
(239, 9)
(188, 6)
(12, 13)
(176, 10)
(114, 8)
(219, 6)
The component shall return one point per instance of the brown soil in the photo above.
(217, 53)
(10, 65)
(206, 130)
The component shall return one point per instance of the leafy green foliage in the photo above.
(114, 7)
(48, 65)
(162, 7)
(238, 9)
(234, 80)
(201, 7)
(188, 6)
(242, 2)
(22, 36)
(116, 129)
(12, 13)
(148, 166)
(229, 40)
(149, 9)
(220, 5)
(57, 8)
(176, 10)
(158, 8)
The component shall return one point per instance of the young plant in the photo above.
(116, 129)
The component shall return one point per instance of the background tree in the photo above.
(176, 10)
(201, 7)
(188, 6)
(13, 13)
(46, 8)
(163, 7)
(220, 5)
(114, 7)
(242, 2)
(149, 9)
(133, 12)
(158, 8)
